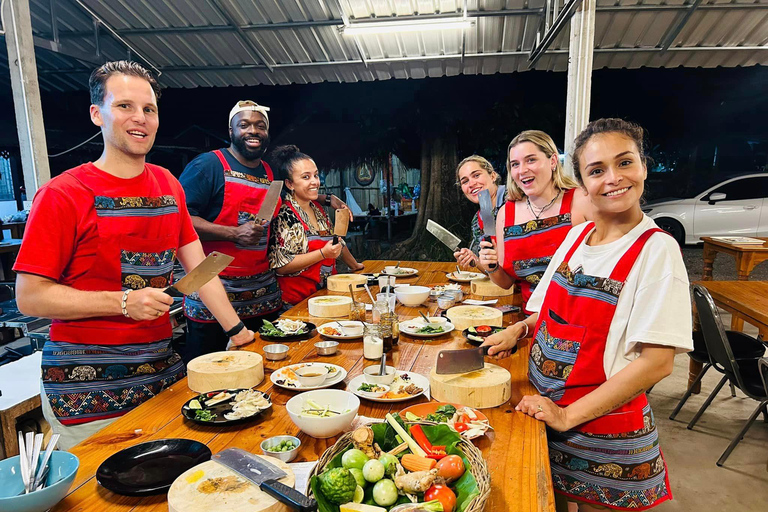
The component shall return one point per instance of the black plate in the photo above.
(476, 343)
(311, 331)
(220, 409)
(150, 468)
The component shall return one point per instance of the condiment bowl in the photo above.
(326, 348)
(276, 352)
(342, 402)
(412, 296)
(62, 470)
(374, 394)
(286, 456)
(438, 320)
(371, 374)
(313, 375)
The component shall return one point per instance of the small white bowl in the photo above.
(309, 376)
(371, 374)
(343, 402)
(374, 394)
(276, 352)
(286, 456)
(412, 296)
(351, 327)
(437, 320)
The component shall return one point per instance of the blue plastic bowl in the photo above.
(63, 468)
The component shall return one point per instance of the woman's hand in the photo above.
(331, 250)
(244, 337)
(544, 409)
(338, 204)
(465, 257)
(488, 254)
(502, 343)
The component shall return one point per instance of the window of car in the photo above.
(742, 189)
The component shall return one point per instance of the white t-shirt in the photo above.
(653, 307)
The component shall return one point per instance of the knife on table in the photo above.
(449, 239)
(209, 268)
(265, 475)
(341, 225)
(268, 205)
(489, 221)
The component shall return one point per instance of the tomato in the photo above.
(483, 329)
(443, 494)
(460, 427)
(450, 467)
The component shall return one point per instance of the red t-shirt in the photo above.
(61, 238)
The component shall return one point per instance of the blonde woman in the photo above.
(542, 205)
(474, 174)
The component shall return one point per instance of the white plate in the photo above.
(416, 378)
(405, 328)
(406, 272)
(338, 337)
(466, 277)
(341, 374)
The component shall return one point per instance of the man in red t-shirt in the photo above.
(98, 250)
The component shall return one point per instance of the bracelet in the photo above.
(236, 329)
(123, 302)
(321, 253)
(526, 330)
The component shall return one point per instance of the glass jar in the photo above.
(457, 294)
(357, 311)
(373, 342)
(380, 307)
(445, 301)
(389, 328)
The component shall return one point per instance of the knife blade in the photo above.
(209, 268)
(266, 475)
(461, 361)
(442, 234)
(267, 208)
(341, 224)
(489, 221)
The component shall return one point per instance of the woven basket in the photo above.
(476, 466)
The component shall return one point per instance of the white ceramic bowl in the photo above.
(340, 401)
(309, 376)
(351, 327)
(412, 295)
(437, 320)
(286, 456)
(371, 374)
(374, 394)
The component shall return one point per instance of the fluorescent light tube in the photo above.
(383, 27)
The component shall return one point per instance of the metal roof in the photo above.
(218, 43)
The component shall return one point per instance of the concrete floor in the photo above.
(698, 485)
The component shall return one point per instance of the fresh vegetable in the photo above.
(284, 446)
(385, 492)
(373, 471)
(431, 329)
(359, 478)
(443, 494)
(484, 328)
(460, 426)
(312, 408)
(362, 439)
(194, 404)
(415, 448)
(442, 414)
(338, 485)
(451, 468)
(418, 481)
(413, 462)
(359, 494)
(433, 452)
(204, 415)
(430, 506)
(390, 463)
(353, 458)
(411, 417)
(370, 388)
(359, 507)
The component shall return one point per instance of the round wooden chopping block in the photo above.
(481, 389)
(341, 282)
(470, 316)
(225, 370)
(212, 487)
(484, 286)
(329, 306)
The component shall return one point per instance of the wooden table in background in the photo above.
(515, 450)
(747, 256)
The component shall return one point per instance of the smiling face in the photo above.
(473, 178)
(128, 116)
(531, 169)
(613, 173)
(305, 180)
(249, 134)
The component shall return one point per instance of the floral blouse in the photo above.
(288, 238)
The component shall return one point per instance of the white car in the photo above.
(735, 207)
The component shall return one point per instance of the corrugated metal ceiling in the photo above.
(205, 43)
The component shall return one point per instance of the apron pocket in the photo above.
(146, 262)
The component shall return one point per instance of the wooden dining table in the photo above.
(515, 449)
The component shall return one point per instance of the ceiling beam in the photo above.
(550, 33)
(243, 36)
(675, 29)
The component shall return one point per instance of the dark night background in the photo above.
(701, 124)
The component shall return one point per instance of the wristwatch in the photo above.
(328, 199)
(235, 330)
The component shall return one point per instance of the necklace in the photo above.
(533, 208)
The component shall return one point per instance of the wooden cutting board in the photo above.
(486, 287)
(212, 487)
(225, 370)
(329, 306)
(341, 282)
(481, 389)
(463, 317)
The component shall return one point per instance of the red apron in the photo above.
(250, 284)
(308, 281)
(528, 248)
(614, 460)
(99, 368)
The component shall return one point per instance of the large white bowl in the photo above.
(412, 295)
(341, 401)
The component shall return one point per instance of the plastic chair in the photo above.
(744, 373)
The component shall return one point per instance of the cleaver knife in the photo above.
(489, 221)
(268, 205)
(341, 225)
(266, 476)
(449, 239)
(461, 361)
(209, 268)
